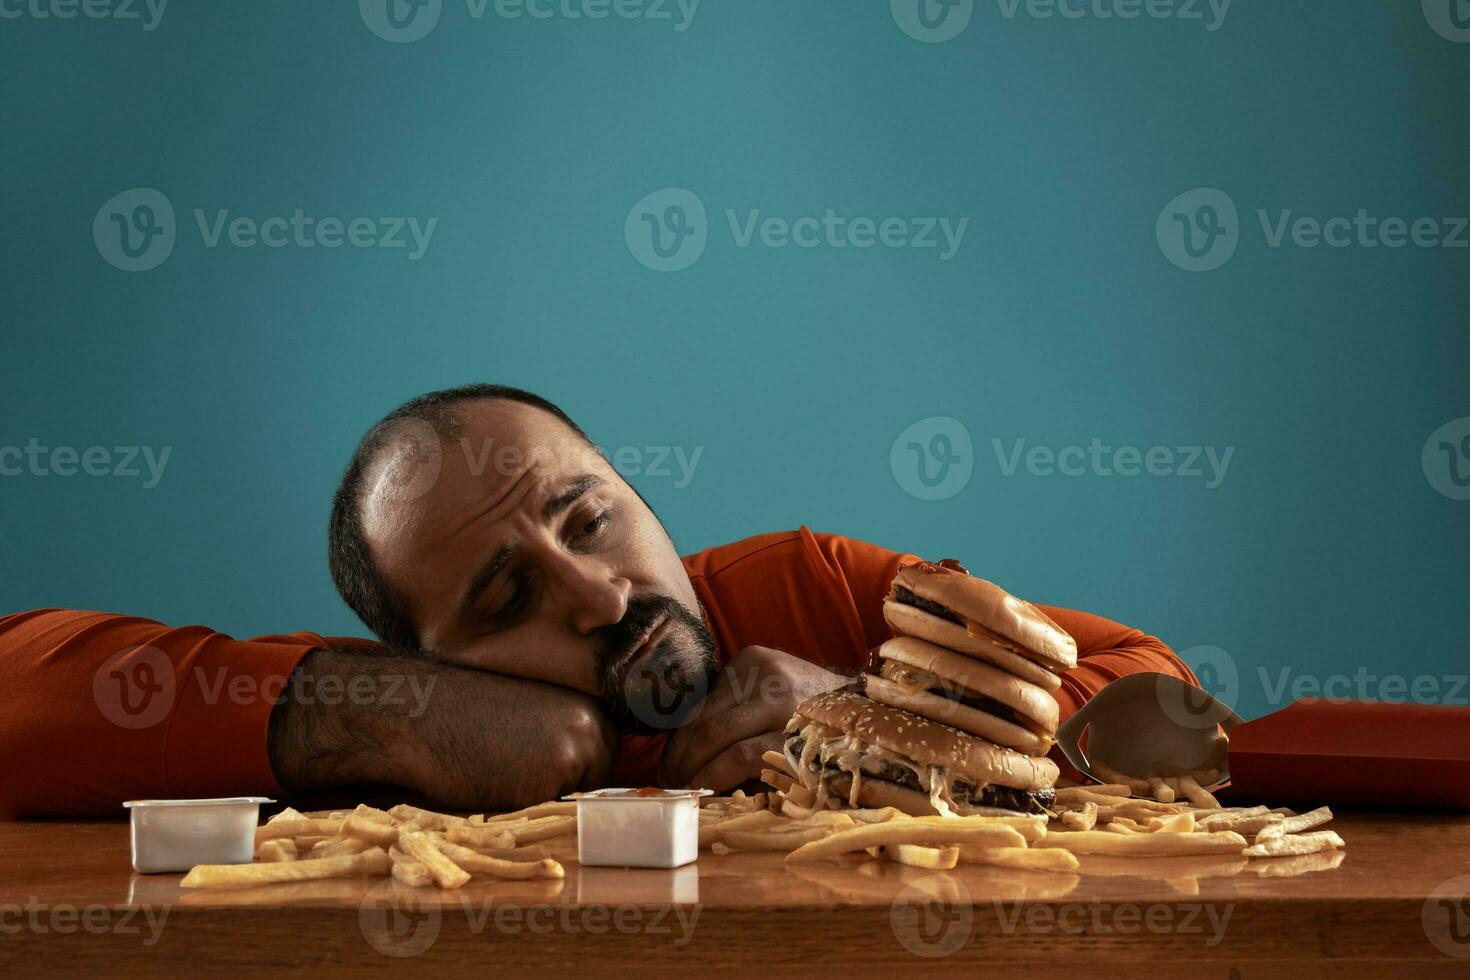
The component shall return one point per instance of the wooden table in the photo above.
(1395, 903)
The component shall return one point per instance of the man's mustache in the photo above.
(617, 642)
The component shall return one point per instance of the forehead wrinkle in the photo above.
(508, 501)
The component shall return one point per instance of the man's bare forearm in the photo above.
(464, 737)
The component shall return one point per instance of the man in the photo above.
(539, 634)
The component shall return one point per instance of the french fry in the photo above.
(1119, 827)
(922, 856)
(1144, 845)
(718, 848)
(290, 813)
(778, 762)
(1295, 844)
(380, 833)
(779, 780)
(428, 819)
(1085, 794)
(481, 836)
(1196, 793)
(1066, 795)
(801, 796)
(557, 809)
(411, 873)
(304, 844)
(874, 815)
(1175, 823)
(274, 829)
(1298, 823)
(280, 849)
(1242, 824)
(1023, 858)
(545, 829)
(1031, 828)
(1101, 771)
(371, 813)
(1129, 825)
(477, 863)
(333, 846)
(761, 819)
(1160, 790)
(446, 873)
(756, 840)
(954, 830)
(373, 862)
(1083, 819)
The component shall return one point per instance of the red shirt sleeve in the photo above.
(100, 708)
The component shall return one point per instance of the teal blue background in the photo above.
(1325, 549)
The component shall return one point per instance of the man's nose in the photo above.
(596, 596)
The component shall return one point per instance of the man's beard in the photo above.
(670, 682)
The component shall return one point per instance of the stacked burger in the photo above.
(960, 714)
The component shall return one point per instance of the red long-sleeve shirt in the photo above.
(100, 708)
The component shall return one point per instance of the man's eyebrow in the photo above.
(487, 572)
(482, 578)
(581, 485)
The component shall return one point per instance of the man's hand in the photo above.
(466, 738)
(720, 747)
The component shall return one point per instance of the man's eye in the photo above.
(593, 526)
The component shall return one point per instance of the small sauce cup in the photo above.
(175, 835)
(638, 828)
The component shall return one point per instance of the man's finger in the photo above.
(692, 747)
(738, 763)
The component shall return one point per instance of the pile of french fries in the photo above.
(416, 847)
(1119, 819)
(1129, 818)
